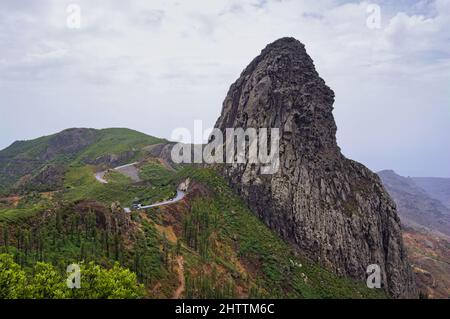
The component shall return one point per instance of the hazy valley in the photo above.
(422, 204)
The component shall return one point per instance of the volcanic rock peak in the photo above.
(332, 209)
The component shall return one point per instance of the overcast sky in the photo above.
(157, 65)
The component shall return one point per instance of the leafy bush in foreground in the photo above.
(45, 282)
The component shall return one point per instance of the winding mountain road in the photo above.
(125, 169)
(180, 195)
(100, 176)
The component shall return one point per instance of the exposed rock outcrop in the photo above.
(330, 208)
(68, 143)
(49, 178)
(161, 150)
(39, 164)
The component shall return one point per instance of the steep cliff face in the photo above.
(332, 209)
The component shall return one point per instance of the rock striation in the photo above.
(330, 208)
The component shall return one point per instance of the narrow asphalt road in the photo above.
(100, 176)
(180, 195)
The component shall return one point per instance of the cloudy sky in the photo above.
(157, 65)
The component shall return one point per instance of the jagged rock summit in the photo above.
(330, 208)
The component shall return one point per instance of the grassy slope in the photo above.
(26, 149)
(80, 184)
(107, 141)
(116, 141)
(21, 150)
(54, 231)
(227, 250)
(156, 172)
(236, 255)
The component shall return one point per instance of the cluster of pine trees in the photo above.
(64, 236)
(149, 262)
(199, 227)
(209, 286)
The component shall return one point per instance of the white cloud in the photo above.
(156, 65)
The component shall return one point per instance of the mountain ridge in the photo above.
(24, 163)
(416, 206)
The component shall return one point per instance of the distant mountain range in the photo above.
(423, 207)
(436, 187)
(421, 202)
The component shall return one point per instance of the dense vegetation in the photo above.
(80, 184)
(229, 236)
(155, 172)
(210, 245)
(29, 165)
(45, 281)
(117, 141)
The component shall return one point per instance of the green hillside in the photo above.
(29, 165)
(210, 239)
(117, 141)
